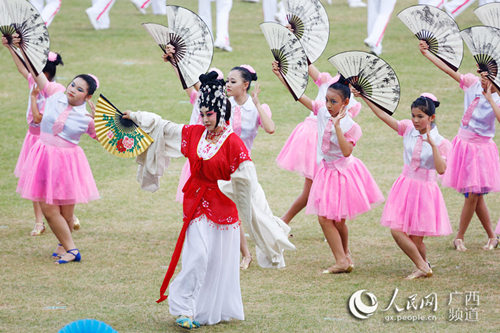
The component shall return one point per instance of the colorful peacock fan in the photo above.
(119, 136)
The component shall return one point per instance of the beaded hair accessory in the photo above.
(213, 96)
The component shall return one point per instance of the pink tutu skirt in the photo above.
(31, 137)
(473, 165)
(416, 206)
(57, 172)
(343, 189)
(299, 152)
(185, 174)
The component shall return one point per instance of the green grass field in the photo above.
(128, 236)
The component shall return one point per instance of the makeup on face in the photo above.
(334, 102)
(76, 92)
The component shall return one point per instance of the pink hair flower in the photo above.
(52, 56)
(249, 68)
(220, 75)
(430, 96)
(95, 79)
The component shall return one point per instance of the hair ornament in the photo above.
(248, 68)
(429, 96)
(220, 75)
(52, 56)
(95, 79)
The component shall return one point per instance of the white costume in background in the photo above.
(159, 7)
(99, 13)
(48, 11)
(453, 7)
(223, 9)
(270, 9)
(379, 14)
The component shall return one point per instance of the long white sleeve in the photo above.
(269, 232)
(167, 138)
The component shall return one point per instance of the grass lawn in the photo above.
(128, 236)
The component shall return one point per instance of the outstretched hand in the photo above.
(276, 68)
(126, 114)
(170, 49)
(355, 92)
(339, 116)
(92, 109)
(429, 139)
(423, 47)
(255, 94)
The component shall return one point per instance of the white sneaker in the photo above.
(377, 50)
(138, 5)
(356, 4)
(223, 46)
(92, 18)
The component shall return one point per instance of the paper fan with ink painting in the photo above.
(438, 29)
(19, 16)
(86, 326)
(119, 136)
(290, 55)
(192, 40)
(310, 24)
(371, 76)
(489, 14)
(484, 44)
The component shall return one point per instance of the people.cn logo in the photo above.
(358, 308)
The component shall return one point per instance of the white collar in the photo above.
(82, 109)
(247, 106)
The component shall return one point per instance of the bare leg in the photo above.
(410, 248)
(419, 243)
(484, 216)
(299, 203)
(334, 239)
(344, 234)
(39, 225)
(60, 219)
(466, 216)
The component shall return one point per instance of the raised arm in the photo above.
(167, 57)
(266, 121)
(345, 146)
(306, 101)
(17, 61)
(390, 121)
(488, 89)
(424, 49)
(41, 80)
(313, 72)
(439, 161)
(37, 116)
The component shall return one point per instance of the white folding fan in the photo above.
(484, 44)
(192, 40)
(438, 29)
(27, 22)
(371, 76)
(489, 14)
(310, 24)
(291, 56)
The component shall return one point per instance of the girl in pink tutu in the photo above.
(56, 172)
(473, 163)
(33, 133)
(342, 188)
(299, 152)
(415, 207)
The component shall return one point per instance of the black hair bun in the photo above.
(437, 103)
(254, 76)
(205, 78)
(343, 80)
(58, 60)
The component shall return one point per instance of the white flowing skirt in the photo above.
(208, 286)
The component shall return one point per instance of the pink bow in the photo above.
(325, 143)
(417, 151)
(237, 120)
(61, 120)
(470, 110)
